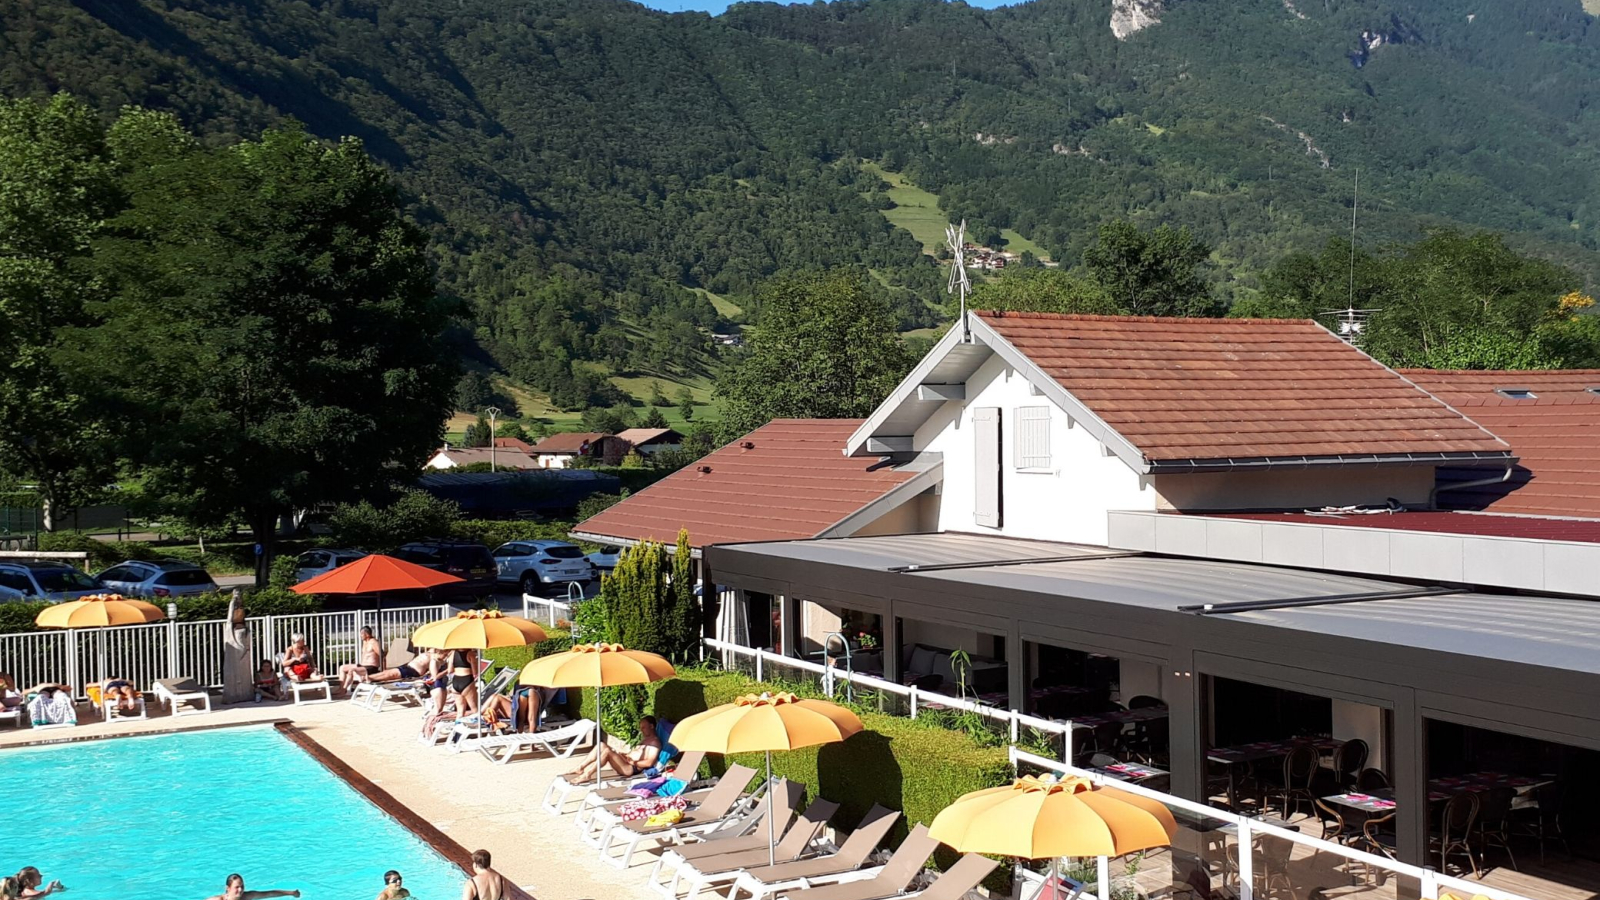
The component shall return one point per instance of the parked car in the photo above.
(159, 578)
(539, 565)
(467, 561)
(312, 563)
(605, 559)
(26, 578)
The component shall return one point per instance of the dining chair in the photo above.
(1348, 761)
(1334, 826)
(1494, 822)
(1372, 780)
(1378, 835)
(1145, 701)
(1299, 772)
(1456, 821)
(1539, 818)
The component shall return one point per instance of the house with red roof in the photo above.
(559, 450)
(1248, 532)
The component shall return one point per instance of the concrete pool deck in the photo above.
(473, 801)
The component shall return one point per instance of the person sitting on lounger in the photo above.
(371, 662)
(643, 756)
(234, 890)
(121, 692)
(298, 663)
(10, 697)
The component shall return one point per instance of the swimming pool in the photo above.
(141, 818)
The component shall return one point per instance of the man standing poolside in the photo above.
(485, 883)
(235, 891)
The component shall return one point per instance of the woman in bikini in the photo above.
(643, 756)
(485, 883)
(464, 681)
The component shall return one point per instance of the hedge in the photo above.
(901, 764)
(18, 616)
(555, 641)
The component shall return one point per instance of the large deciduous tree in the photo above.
(825, 348)
(56, 188)
(271, 335)
(1152, 273)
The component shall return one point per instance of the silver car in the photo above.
(166, 578)
(539, 565)
(312, 563)
(25, 579)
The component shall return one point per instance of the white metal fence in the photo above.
(145, 653)
(1252, 858)
(550, 609)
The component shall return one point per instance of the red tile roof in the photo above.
(1527, 527)
(1211, 389)
(786, 480)
(567, 442)
(513, 443)
(1556, 435)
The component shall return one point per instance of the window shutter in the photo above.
(1031, 438)
(986, 496)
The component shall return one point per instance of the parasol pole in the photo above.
(772, 813)
(599, 735)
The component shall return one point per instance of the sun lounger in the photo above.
(845, 865)
(686, 766)
(177, 693)
(303, 689)
(893, 878)
(110, 711)
(604, 819)
(58, 710)
(12, 714)
(798, 841)
(748, 834)
(446, 727)
(711, 812)
(559, 742)
(372, 695)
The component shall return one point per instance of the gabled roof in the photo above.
(568, 442)
(504, 458)
(1173, 395)
(512, 443)
(785, 480)
(1555, 435)
(639, 436)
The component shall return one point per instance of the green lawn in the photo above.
(725, 307)
(918, 212)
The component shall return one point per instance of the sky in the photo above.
(717, 6)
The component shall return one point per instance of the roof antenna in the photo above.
(955, 237)
(1352, 322)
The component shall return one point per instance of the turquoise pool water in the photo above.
(169, 816)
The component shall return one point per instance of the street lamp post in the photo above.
(494, 413)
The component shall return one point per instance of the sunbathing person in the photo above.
(643, 756)
(10, 697)
(409, 671)
(371, 662)
(267, 681)
(298, 663)
(120, 691)
(52, 704)
(520, 714)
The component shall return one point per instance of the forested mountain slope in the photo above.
(581, 163)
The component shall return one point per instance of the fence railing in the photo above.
(146, 653)
(1257, 859)
(550, 609)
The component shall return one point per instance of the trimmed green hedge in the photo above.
(899, 763)
(556, 641)
(17, 617)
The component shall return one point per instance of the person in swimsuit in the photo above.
(10, 697)
(410, 671)
(643, 756)
(25, 885)
(298, 663)
(463, 681)
(234, 890)
(371, 662)
(393, 887)
(121, 690)
(485, 883)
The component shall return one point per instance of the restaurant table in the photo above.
(1129, 771)
(1375, 803)
(1478, 782)
(1125, 716)
(1234, 757)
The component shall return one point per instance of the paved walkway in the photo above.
(474, 801)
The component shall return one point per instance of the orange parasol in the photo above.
(99, 611)
(478, 629)
(374, 574)
(596, 666)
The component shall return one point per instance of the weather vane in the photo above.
(955, 237)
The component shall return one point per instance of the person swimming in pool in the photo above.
(485, 883)
(393, 887)
(234, 890)
(25, 885)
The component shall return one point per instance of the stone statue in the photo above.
(238, 657)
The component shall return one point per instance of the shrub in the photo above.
(494, 532)
(904, 764)
(269, 601)
(595, 504)
(18, 616)
(412, 516)
(556, 641)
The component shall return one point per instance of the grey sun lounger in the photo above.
(719, 803)
(688, 763)
(896, 875)
(846, 864)
(798, 841)
(747, 833)
(596, 829)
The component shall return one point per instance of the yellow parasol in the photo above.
(478, 629)
(596, 666)
(99, 611)
(764, 723)
(1041, 818)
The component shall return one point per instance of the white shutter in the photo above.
(1030, 438)
(986, 497)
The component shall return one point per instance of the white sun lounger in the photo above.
(720, 803)
(108, 710)
(177, 693)
(687, 764)
(601, 820)
(303, 689)
(559, 742)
